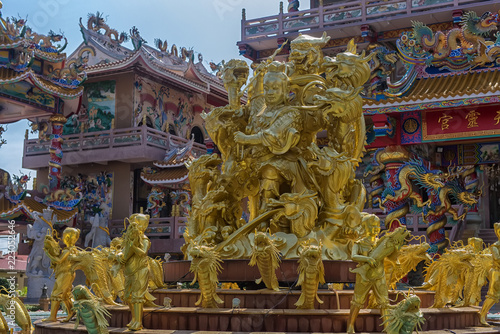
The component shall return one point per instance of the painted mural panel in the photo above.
(470, 154)
(167, 109)
(97, 112)
(23, 91)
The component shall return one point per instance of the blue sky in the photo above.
(210, 27)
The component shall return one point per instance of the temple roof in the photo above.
(105, 53)
(445, 87)
(172, 168)
(29, 207)
(166, 176)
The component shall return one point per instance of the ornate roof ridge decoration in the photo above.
(173, 168)
(177, 155)
(428, 54)
(96, 23)
(31, 207)
(24, 46)
(155, 66)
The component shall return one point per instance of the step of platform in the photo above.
(274, 320)
(68, 328)
(240, 271)
(284, 299)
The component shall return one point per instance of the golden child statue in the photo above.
(134, 259)
(63, 271)
(370, 252)
(493, 295)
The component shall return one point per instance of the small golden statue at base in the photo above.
(493, 295)
(63, 272)
(90, 310)
(370, 253)
(134, 259)
(21, 315)
(265, 255)
(311, 273)
(206, 264)
(405, 317)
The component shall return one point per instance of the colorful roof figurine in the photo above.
(14, 201)
(171, 170)
(444, 69)
(33, 71)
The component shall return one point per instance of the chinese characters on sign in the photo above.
(480, 122)
(443, 120)
(497, 118)
(472, 117)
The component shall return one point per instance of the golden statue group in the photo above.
(303, 200)
(123, 270)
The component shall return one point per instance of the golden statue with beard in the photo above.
(271, 163)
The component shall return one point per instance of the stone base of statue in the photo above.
(35, 285)
(274, 311)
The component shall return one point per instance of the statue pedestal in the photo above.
(35, 285)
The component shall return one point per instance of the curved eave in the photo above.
(149, 65)
(50, 56)
(445, 88)
(53, 89)
(166, 177)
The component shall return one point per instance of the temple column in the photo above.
(57, 122)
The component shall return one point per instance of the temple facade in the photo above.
(431, 102)
(136, 106)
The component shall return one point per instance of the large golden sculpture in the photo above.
(61, 262)
(134, 259)
(371, 252)
(270, 160)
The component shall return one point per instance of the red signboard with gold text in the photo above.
(460, 123)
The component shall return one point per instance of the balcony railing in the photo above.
(100, 143)
(349, 12)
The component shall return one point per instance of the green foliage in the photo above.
(33, 308)
(4, 283)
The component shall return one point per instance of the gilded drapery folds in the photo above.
(271, 166)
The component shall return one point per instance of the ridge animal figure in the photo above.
(405, 317)
(63, 271)
(89, 308)
(311, 273)
(370, 253)
(265, 255)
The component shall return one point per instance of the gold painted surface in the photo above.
(270, 160)
(64, 274)
(133, 259)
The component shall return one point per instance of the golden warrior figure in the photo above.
(493, 295)
(371, 252)
(134, 259)
(63, 272)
